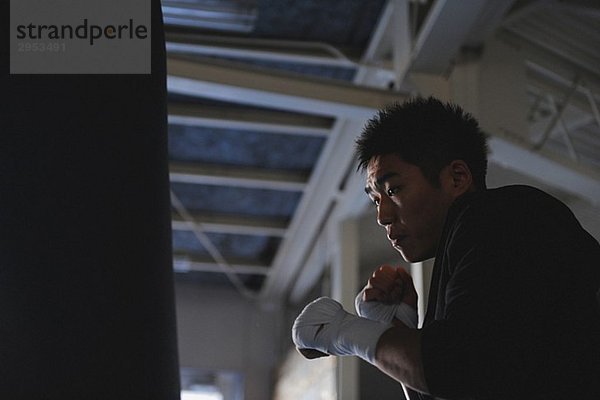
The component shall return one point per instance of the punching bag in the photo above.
(86, 284)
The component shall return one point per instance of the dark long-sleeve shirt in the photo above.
(512, 311)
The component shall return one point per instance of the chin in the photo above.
(414, 257)
(409, 257)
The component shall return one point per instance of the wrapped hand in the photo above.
(325, 328)
(388, 295)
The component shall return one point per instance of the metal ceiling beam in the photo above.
(548, 39)
(492, 16)
(563, 68)
(224, 82)
(285, 51)
(223, 15)
(234, 225)
(186, 264)
(267, 121)
(559, 172)
(538, 84)
(237, 176)
(574, 120)
(277, 50)
(381, 38)
(185, 47)
(570, 135)
(370, 72)
(448, 27)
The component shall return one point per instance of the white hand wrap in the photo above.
(378, 311)
(324, 325)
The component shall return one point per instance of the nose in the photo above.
(385, 212)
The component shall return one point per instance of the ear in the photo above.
(459, 178)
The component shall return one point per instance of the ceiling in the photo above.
(267, 96)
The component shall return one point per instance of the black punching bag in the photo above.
(86, 285)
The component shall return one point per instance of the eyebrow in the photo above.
(380, 181)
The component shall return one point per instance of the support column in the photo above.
(344, 286)
(86, 285)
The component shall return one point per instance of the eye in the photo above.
(393, 191)
(375, 201)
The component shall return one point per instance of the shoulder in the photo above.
(516, 202)
(519, 219)
(505, 216)
(519, 196)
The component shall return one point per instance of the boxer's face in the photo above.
(409, 207)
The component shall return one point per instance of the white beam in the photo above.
(541, 84)
(551, 40)
(557, 172)
(297, 51)
(574, 119)
(233, 225)
(238, 177)
(174, 47)
(183, 264)
(444, 31)
(369, 72)
(550, 64)
(251, 120)
(221, 81)
(380, 42)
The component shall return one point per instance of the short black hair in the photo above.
(427, 133)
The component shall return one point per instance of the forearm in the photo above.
(398, 354)
(324, 327)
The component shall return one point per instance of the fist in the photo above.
(390, 285)
(389, 296)
(325, 328)
(385, 286)
(311, 332)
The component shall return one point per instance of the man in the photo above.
(512, 311)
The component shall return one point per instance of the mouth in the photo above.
(397, 240)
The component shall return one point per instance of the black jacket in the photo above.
(512, 310)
